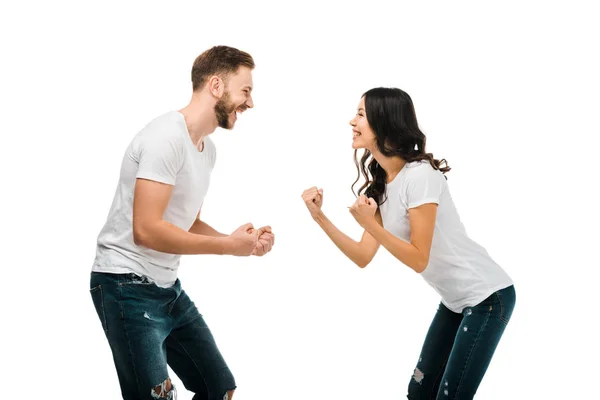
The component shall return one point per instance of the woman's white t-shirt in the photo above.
(459, 269)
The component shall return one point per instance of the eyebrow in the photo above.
(361, 109)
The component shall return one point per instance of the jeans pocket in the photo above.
(98, 299)
(505, 308)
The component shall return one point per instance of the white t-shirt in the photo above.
(162, 151)
(459, 269)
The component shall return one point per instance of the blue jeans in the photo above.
(148, 327)
(458, 348)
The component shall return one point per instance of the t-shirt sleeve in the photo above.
(159, 159)
(424, 185)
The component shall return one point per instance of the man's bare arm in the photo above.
(202, 228)
(150, 230)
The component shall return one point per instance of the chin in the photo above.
(230, 125)
(231, 122)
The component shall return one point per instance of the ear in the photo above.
(216, 86)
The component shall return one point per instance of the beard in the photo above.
(223, 110)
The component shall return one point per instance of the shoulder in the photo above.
(422, 172)
(420, 169)
(422, 183)
(166, 128)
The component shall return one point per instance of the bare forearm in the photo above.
(202, 228)
(167, 238)
(408, 254)
(348, 246)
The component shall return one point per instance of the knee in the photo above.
(228, 395)
(165, 390)
(415, 386)
(225, 386)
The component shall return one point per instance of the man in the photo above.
(147, 317)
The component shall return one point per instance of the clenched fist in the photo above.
(363, 210)
(266, 241)
(313, 199)
(242, 241)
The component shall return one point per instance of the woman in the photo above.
(405, 206)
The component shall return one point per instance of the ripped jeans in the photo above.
(458, 348)
(148, 327)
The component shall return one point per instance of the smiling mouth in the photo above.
(355, 134)
(239, 111)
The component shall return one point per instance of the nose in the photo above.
(352, 122)
(249, 102)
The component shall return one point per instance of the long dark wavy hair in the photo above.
(391, 115)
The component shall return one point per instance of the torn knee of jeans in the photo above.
(164, 391)
(418, 375)
(228, 394)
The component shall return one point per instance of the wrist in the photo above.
(369, 223)
(224, 245)
(319, 217)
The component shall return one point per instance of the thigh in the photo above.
(476, 341)
(434, 354)
(136, 326)
(193, 354)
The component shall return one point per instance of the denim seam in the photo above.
(441, 372)
(133, 367)
(172, 306)
(502, 318)
(103, 313)
(462, 374)
(193, 362)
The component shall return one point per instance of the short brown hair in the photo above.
(218, 60)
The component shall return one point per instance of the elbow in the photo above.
(140, 236)
(420, 265)
(362, 263)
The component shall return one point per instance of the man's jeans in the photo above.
(149, 327)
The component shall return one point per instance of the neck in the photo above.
(200, 117)
(391, 165)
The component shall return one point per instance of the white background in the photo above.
(507, 93)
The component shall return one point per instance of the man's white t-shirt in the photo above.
(162, 151)
(459, 269)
